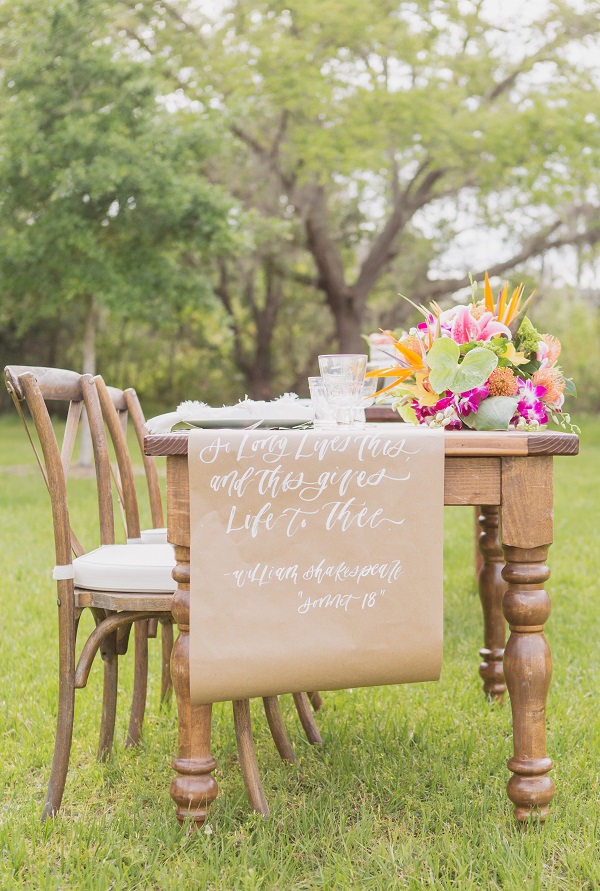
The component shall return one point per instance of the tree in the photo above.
(386, 125)
(270, 304)
(104, 201)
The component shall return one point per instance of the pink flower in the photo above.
(459, 324)
(470, 400)
(442, 414)
(542, 353)
(378, 338)
(528, 392)
(530, 406)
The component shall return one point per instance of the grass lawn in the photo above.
(408, 791)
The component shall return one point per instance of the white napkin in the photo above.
(287, 407)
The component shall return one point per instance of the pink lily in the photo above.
(465, 328)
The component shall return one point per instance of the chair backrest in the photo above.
(36, 386)
(117, 406)
(139, 425)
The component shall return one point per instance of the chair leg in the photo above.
(62, 747)
(316, 700)
(247, 755)
(68, 623)
(140, 684)
(307, 720)
(277, 728)
(166, 687)
(109, 696)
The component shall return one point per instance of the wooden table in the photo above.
(510, 474)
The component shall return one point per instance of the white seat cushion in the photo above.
(154, 536)
(126, 568)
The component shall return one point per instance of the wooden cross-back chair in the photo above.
(121, 584)
(115, 611)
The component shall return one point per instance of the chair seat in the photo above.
(154, 536)
(127, 568)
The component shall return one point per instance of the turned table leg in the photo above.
(527, 533)
(194, 788)
(528, 666)
(491, 591)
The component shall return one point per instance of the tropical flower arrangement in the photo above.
(482, 365)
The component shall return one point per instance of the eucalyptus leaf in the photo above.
(493, 413)
(570, 388)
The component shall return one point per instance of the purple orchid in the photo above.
(442, 414)
(470, 400)
(530, 406)
(529, 393)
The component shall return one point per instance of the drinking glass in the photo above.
(324, 413)
(367, 397)
(343, 375)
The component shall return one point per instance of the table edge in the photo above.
(459, 443)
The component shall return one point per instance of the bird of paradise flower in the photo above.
(413, 364)
(507, 311)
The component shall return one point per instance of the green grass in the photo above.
(408, 791)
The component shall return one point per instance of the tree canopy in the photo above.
(385, 128)
(285, 169)
(103, 199)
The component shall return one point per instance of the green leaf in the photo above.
(528, 369)
(570, 388)
(474, 370)
(493, 413)
(406, 412)
(443, 362)
(448, 374)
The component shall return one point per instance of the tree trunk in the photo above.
(88, 366)
(258, 368)
(348, 323)
(260, 382)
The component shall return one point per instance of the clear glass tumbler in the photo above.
(324, 413)
(343, 375)
(367, 397)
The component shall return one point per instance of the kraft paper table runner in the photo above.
(316, 559)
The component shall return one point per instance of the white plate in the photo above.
(240, 423)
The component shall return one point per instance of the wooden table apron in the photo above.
(510, 474)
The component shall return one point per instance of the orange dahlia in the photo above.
(502, 382)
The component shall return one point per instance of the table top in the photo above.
(458, 443)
